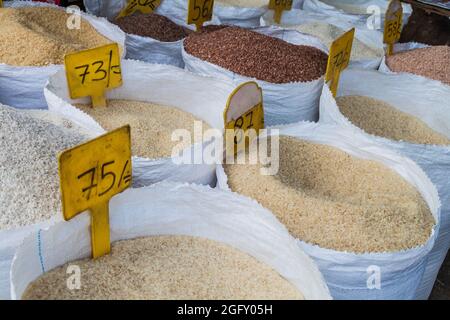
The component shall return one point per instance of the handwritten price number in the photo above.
(100, 73)
(144, 6)
(340, 60)
(95, 179)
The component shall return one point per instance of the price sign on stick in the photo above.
(279, 6)
(244, 111)
(338, 59)
(200, 11)
(393, 25)
(92, 72)
(90, 175)
(143, 6)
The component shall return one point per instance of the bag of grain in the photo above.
(288, 66)
(175, 10)
(155, 100)
(153, 38)
(409, 114)
(431, 62)
(368, 47)
(366, 215)
(171, 241)
(34, 40)
(30, 141)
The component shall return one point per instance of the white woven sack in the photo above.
(283, 103)
(203, 97)
(174, 209)
(427, 100)
(371, 38)
(23, 87)
(347, 273)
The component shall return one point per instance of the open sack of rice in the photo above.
(170, 241)
(367, 216)
(409, 114)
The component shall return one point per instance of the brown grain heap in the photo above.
(152, 25)
(258, 56)
(167, 267)
(33, 36)
(431, 62)
(381, 119)
(151, 125)
(326, 197)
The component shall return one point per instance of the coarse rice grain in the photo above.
(167, 267)
(36, 36)
(151, 125)
(381, 119)
(259, 56)
(327, 33)
(327, 198)
(430, 62)
(29, 180)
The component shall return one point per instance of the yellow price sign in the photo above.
(338, 59)
(92, 72)
(144, 6)
(200, 11)
(279, 6)
(90, 175)
(244, 111)
(393, 24)
(1, 3)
